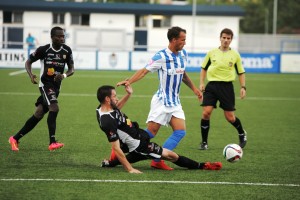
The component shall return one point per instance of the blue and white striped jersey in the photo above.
(170, 68)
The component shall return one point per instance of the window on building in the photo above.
(80, 19)
(156, 23)
(12, 17)
(85, 20)
(141, 20)
(161, 21)
(75, 19)
(58, 18)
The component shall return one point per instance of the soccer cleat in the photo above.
(212, 166)
(243, 139)
(55, 145)
(105, 163)
(203, 146)
(14, 143)
(160, 165)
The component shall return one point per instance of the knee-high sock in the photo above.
(28, 126)
(238, 125)
(172, 142)
(204, 129)
(188, 163)
(51, 120)
(149, 133)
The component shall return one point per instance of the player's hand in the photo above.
(128, 89)
(126, 82)
(33, 79)
(242, 93)
(198, 93)
(58, 77)
(202, 88)
(135, 171)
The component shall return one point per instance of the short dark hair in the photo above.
(174, 32)
(227, 31)
(54, 29)
(104, 91)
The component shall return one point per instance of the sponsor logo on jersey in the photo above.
(129, 122)
(175, 71)
(50, 71)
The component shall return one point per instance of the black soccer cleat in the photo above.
(105, 163)
(203, 146)
(243, 139)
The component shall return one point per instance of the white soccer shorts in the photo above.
(162, 114)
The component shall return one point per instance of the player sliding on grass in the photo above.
(125, 136)
(53, 58)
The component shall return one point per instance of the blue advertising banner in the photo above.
(194, 62)
(253, 63)
(261, 63)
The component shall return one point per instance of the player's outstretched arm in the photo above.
(122, 158)
(135, 77)
(125, 98)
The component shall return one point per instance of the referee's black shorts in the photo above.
(219, 91)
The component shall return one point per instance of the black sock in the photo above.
(204, 129)
(28, 126)
(238, 125)
(51, 120)
(187, 163)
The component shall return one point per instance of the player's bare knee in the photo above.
(230, 119)
(206, 115)
(169, 155)
(53, 107)
(39, 114)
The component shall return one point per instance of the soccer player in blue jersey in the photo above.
(220, 67)
(170, 63)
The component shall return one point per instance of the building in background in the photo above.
(116, 26)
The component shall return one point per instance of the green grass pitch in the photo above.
(269, 169)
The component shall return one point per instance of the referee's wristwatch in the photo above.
(244, 87)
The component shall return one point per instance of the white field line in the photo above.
(17, 72)
(147, 181)
(153, 76)
(150, 96)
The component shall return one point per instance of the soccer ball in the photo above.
(233, 153)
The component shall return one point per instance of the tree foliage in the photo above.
(259, 15)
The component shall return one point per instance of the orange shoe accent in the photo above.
(55, 145)
(160, 165)
(14, 143)
(212, 166)
(113, 155)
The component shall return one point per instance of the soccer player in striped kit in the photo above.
(170, 64)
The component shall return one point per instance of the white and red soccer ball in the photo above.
(233, 152)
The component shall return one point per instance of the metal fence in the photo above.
(269, 43)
